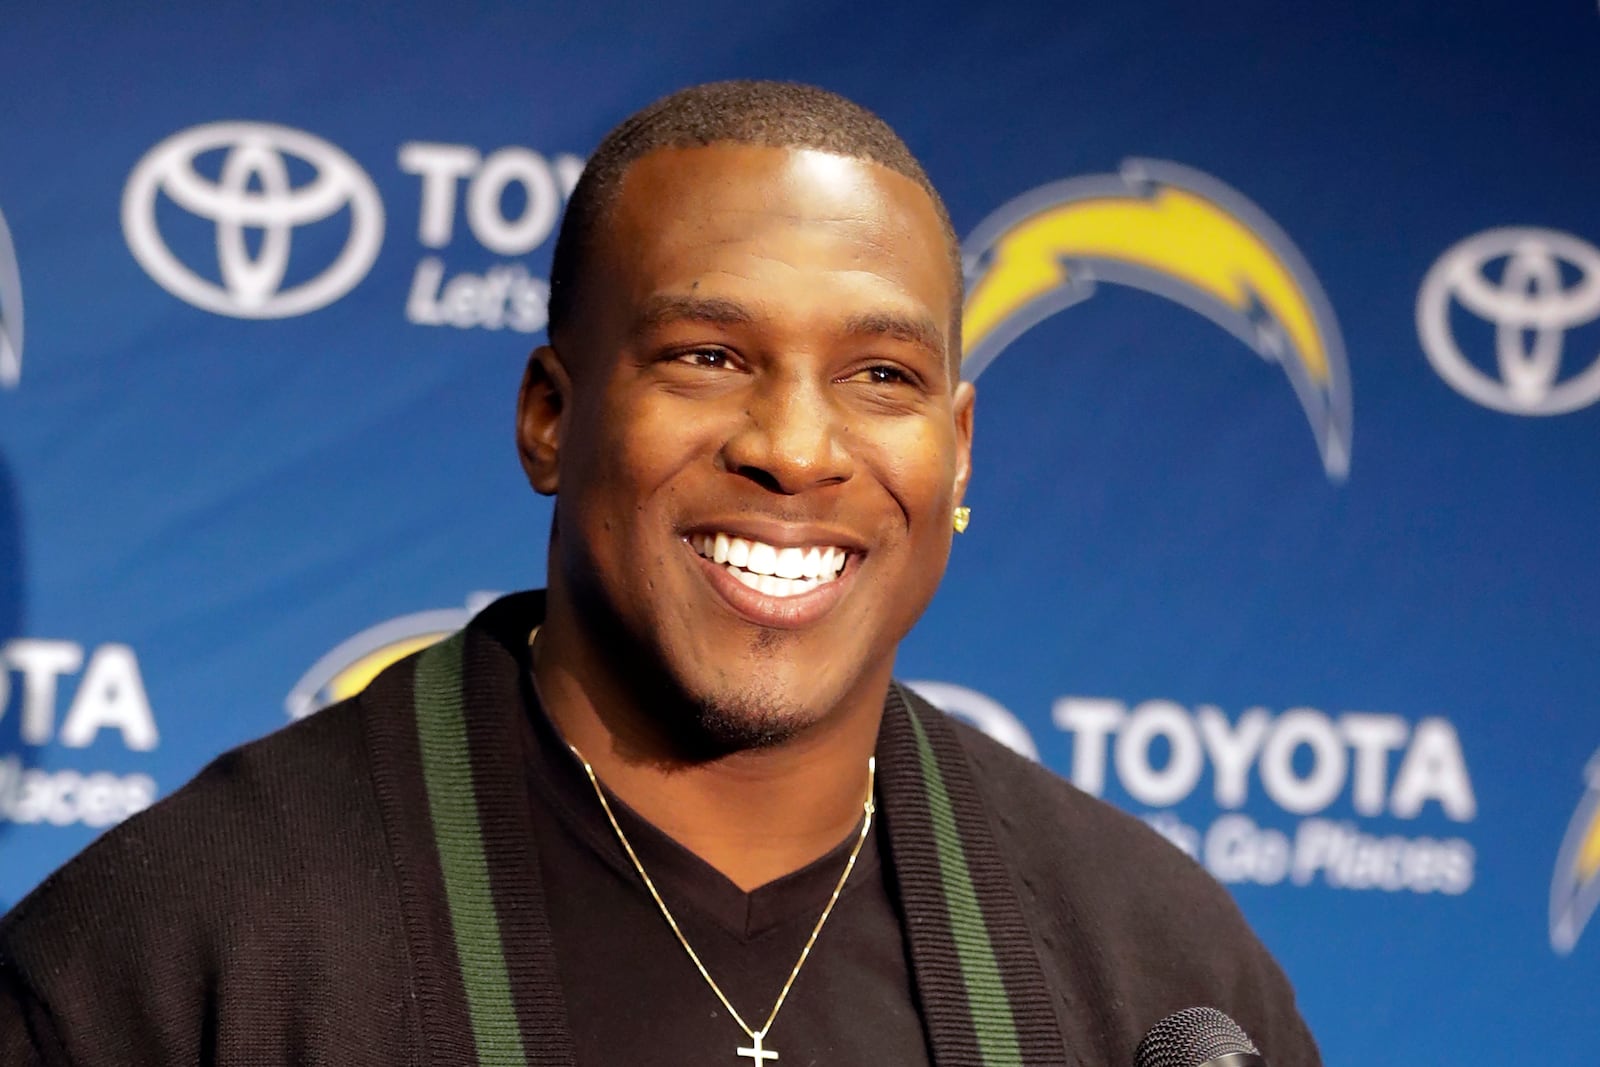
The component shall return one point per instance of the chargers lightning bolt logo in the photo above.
(1575, 886)
(10, 312)
(1175, 232)
(346, 670)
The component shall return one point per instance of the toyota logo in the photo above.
(1549, 284)
(253, 194)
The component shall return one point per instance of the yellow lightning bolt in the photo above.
(356, 677)
(1588, 862)
(1172, 233)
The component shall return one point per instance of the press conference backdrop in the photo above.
(1286, 327)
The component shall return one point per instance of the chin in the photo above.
(720, 723)
(739, 724)
(759, 700)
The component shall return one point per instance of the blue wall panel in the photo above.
(1285, 492)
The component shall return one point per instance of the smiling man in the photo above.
(751, 416)
(673, 810)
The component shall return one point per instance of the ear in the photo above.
(965, 397)
(541, 418)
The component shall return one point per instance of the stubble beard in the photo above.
(695, 727)
(740, 722)
(725, 716)
(696, 721)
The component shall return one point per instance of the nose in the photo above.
(791, 437)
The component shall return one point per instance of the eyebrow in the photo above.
(917, 331)
(666, 308)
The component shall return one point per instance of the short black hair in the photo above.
(772, 113)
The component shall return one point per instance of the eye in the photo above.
(884, 374)
(714, 358)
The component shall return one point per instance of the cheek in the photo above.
(639, 454)
(917, 467)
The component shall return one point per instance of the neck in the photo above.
(754, 815)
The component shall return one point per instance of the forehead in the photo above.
(744, 219)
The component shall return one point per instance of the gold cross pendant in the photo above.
(757, 1054)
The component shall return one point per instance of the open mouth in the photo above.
(768, 569)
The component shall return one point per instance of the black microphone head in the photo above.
(1196, 1037)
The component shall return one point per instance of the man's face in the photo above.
(764, 436)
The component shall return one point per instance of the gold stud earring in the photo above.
(961, 518)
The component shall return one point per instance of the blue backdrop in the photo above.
(1287, 330)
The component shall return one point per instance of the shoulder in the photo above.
(1061, 822)
(249, 805)
(253, 831)
(266, 872)
(1120, 902)
(1051, 833)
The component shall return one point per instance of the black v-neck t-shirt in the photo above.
(633, 995)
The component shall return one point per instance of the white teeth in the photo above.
(763, 558)
(776, 572)
(791, 562)
(782, 587)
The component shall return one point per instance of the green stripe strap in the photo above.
(987, 1001)
(458, 835)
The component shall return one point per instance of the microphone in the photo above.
(1197, 1037)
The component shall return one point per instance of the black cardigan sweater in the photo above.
(361, 888)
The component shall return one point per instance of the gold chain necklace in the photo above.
(755, 1052)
